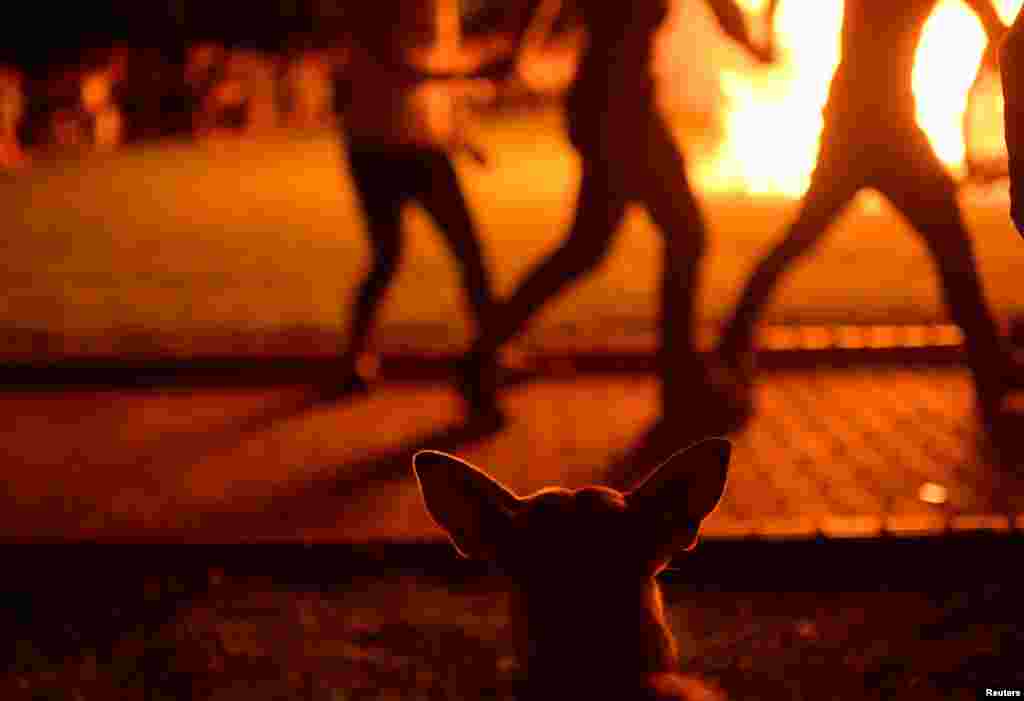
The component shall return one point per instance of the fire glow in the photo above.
(772, 117)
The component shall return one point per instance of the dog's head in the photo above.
(582, 531)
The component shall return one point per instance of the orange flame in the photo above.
(947, 61)
(772, 116)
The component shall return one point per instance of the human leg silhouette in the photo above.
(381, 184)
(600, 209)
(926, 195)
(658, 172)
(446, 204)
(834, 183)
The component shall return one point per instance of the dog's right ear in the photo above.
(680, 494)
(472, 507)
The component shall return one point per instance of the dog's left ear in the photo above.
(472, 507)
(674, 499)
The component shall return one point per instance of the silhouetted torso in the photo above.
(613, 83)
(879, 42)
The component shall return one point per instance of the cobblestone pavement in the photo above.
(843, 452)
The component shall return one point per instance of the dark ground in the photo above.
(333, 631)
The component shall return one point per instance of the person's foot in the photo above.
(476, 379)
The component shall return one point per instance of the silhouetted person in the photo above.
(400, 134)
(1011, 68)
(205, 69)
(71, 125)
(871, 139)
(628, 155)
(104, 115)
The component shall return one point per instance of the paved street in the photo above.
(249, 247)
(843, 452)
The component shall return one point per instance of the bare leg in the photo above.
(599, 212)
(926, 195)
(381, 204)
(447, 206)
(673, 207)
(832, 187)
(385, 235)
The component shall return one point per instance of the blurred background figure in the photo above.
(629, 156)
(103, 114)
(226, 110)
(221, 89)
(12, 109)
(1011, 66)
(871, 139)
(70, 124)
(252, 94)
(83, 114)
(204, 71)
(154, 95)
(397, 101)
(304, 87)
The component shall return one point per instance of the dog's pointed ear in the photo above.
(675, 498)
(472, 507)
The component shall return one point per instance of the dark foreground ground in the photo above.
(869, 620)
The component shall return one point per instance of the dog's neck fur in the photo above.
(613, 644)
